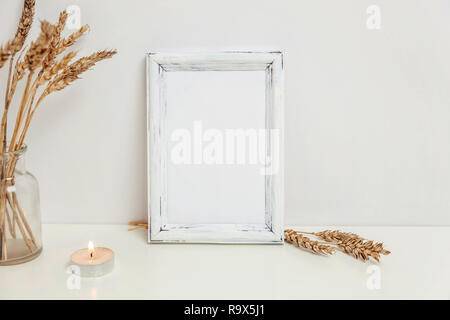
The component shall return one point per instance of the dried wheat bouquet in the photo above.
(46, 65)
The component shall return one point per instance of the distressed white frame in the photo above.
(160, 231)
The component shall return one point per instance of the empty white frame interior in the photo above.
(206, 185)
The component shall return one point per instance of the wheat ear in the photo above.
(301, 241)
(24, 27)
(70, 40)
(359, 248)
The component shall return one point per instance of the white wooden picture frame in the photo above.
(160, 228)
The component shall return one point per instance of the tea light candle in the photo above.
(93, 261)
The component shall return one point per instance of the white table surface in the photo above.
(418, 268)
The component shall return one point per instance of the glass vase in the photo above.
(20, 218)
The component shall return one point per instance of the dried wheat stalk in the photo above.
(13, 47)
(44, 75)
(72, 72)
(301, 241)
(138, 225)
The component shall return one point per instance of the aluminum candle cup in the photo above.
(93, 262)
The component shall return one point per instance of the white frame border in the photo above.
(159, 230)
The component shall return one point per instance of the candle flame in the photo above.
(91, 249)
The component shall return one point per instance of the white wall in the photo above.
(367, 111)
